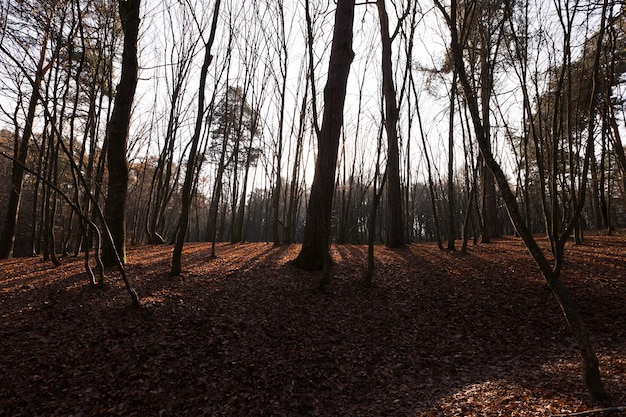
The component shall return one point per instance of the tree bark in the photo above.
(451, 201)
(551, 274)
(489, 207)
(283, 53)
(317, 228)
(395, 224)
(117, 132)
(7, 238)
(192, 162)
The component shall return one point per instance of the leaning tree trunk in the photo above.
(117, 132)
(591, 372)
(7, 238)
(317, 229)
(192, 162)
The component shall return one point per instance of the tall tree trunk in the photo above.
(451, 206)
(239, 220)
(489, 208)
(618, 148)
(216, 195)
(7, 238)
(395, 224)
(294, 189)
(161, 184)
(283, 54)
(591, 372)
(431, 186)
(371, 220)
(117, 133)
(192, 162)
(317, 229)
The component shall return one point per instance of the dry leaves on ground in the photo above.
(247, 334)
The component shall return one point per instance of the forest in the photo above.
(299, 146)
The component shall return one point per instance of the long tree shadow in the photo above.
(247, 336)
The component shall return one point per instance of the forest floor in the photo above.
(247, 334)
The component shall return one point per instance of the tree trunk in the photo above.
(451, 206)
(371, 220)
(217, 194)
(294, 190)
(239, 220)
(489, 208)
(7, 238)
(192, 162)
(591, 372)
(317, 228)
(618, 148)
(431, 186)
(283, 53)
(117, 132)
(395, 224)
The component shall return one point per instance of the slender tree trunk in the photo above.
(294, 190)
(451, 205)
(618, 148)
(371, 220)
(591, 372)
(395, 224)
(431, 186)
(239, 220)
(192, 161)
(117, 133)
(595, 195)
(317, 229)
(283, 54)
(488, 198)
(7, 238)
(217, 188)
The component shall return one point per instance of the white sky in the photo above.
(158, 38)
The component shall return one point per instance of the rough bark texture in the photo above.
(317, 228)
(117, 132)
(489, 206)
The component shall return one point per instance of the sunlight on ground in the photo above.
(160, 297)
(501, 398)
(35, 274)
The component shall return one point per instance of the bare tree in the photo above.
(551, 272)
(395, 223)
(165, 176)
(21, 147)
(117, 134)
(315, 247)
(193, 162)
(451, 197)
(371, 220)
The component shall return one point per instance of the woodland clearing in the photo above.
(247, 334)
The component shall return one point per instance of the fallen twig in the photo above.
(589, 412)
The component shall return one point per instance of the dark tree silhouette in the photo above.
(317, 228)
(395, 229)
(117, 134)
(551, 273)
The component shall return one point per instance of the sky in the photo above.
(169, 26)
